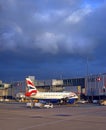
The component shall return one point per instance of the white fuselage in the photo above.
(53, 95)
(32, 92)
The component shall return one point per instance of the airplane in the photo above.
(53, 97)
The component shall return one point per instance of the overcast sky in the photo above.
(52, 38)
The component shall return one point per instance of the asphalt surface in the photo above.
(15, 116)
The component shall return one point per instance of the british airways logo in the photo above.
(30, 84)
(31, 88)
(32, 92)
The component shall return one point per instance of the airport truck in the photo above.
(39, 105)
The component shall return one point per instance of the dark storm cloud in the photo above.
(22, 25)
(35, 32)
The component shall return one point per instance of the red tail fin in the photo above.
(31, 88)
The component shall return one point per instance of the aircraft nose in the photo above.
(72, 94)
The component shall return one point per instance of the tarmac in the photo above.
(15, 116)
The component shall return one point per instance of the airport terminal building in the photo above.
(95, 86)
(90, 87)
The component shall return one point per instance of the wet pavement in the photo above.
(15, 116)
